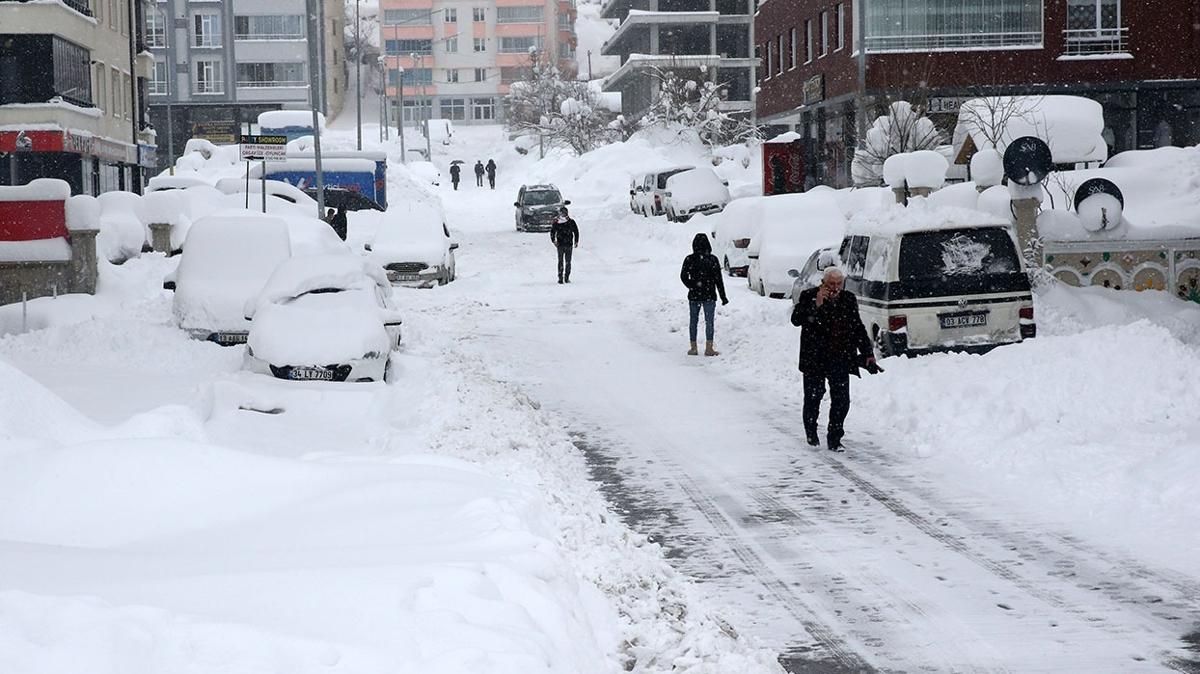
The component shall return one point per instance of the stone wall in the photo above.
(43, 279)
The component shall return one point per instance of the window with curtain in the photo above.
(412, 17)
(269, 27)
(949, 25)
(528, 14)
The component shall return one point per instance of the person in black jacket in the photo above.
(491, 173)
(564, 234)
(479, 173)
(339, 222)
(833, 345)
(455, 172)
(701, 273)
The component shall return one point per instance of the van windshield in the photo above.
(957, 254)
(542, 198)
(662, 177)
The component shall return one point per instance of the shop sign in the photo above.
(946, 105)
(31, 141)
(112, 151)
(77, 143)
(221, 132)
(814, 89)
(263, 148)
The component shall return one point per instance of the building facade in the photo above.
(697, 39)
(72, 94)
(1138, 59)
(460, 56)
(218, 63)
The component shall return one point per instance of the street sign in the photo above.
(263, 148)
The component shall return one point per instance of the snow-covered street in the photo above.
(161, 510)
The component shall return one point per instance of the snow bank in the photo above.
(1073, 126)
(40, 189)
(122, 234)
(278, 119)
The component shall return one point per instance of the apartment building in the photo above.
(1138, 59)
(218, 63)
(460, 56)
(697, 39)
(72, 88)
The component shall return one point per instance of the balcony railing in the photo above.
(269, 36)
(209, 87)
(271, 84)
(952, 41)
(1096, 41)
(80, 6)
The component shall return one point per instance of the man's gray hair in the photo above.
(833, 272)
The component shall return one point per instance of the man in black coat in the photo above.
(339, 222)
(564, 234)
(455, 172)
(701, 273)
(479, 173)
(491, 173)
(833, 345)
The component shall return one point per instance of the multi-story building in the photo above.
(697, 39)
(72, 86)
(460, 56)
(219, 63)
(1138, 59)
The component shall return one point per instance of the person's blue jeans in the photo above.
(710, 308)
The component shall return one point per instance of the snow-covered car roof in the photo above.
(276, 188)
(540, 188)
(178, 181)
(305, 273)
(320, 329)
(800, 223)
(697, 186)
(414, 232)
(919, 216)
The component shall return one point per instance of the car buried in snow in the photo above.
(698, 190)
(537, 207)
(414, 246)
(323, 318)
(793, 226)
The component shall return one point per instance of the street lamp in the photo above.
(358, 71)
(400, 111)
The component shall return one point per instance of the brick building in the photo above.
(1140, 60)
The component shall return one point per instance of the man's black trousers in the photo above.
(839, 402)
(564, 262)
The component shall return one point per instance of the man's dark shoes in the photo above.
(560, 280)
(811, 436)
(834, 444)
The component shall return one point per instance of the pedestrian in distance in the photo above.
(340, 222)
(564, 234)
(833, 345)
(701, 273)
(491, 173)
(455, 172)
(479, 173)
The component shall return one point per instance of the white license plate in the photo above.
(404, 277)
(229, 337)
(965, 320)
(311, 374)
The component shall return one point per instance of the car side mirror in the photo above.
(517, 204)
(367, 247)
(454, 246)
(794, 273)
(567, 202)
(752, 256)
(169, 285)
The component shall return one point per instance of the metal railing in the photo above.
(952, 41)
(268, 36)
(1093, 41)
(217, 87)
(271, 84)
(80, 6)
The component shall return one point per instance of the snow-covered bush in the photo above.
(903, 129)
(696, 105)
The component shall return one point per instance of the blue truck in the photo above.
(353, 171)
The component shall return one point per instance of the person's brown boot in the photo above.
(709, 350)
(693, 351)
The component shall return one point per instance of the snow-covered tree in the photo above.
(696, 104)
(562, 111)
(903, 129)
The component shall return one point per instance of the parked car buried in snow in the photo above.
(537, 207)
(650, 187)
(414, 246)
(731, 231)
(699, 190)
(794, 225)
(323, 318)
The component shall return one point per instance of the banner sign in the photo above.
(264, 148)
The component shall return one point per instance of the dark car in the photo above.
(537, 207)
(335, 197)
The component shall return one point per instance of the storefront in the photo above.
(90, 165)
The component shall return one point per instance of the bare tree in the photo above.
(697, 105)
(988, 117)
(563, 112)
(903, 129)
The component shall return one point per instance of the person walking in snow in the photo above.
(701, 273)
(833, 345)
(564, 234)
(479, 173)
(455, 171)
(491, 173)
(339, 222)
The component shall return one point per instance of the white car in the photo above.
(323, 318)
(732, 230)
(226, 261)
(794, 226)
(649, 188)
(278, 192)
(698, 190)
(414, 246)
(426, 171)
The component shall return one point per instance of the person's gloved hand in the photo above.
(873, 367)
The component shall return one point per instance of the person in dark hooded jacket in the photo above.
(564, 234)
(701, 273)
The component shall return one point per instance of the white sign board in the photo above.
(264, 148)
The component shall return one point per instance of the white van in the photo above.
(648, 189)
(939, 285)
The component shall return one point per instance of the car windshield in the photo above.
(542, 197)
(957, 253)
(662, 177)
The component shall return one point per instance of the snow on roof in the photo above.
(306, 164)
(917, 217)
(306, 273)
(41, 189)
(786, 137)
(1073, 126)
(278, 119)
(175, 182)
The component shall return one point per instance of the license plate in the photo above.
(964, 320)
(229, 337)
(311, 374)
(404, 277)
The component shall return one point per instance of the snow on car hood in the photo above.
(306, 273)
(696, 187)
(319, 329)
(413, 234)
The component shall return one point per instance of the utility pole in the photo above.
(135, 171)
(358, 72)
(314, 101)
(860, 117)
(400, 112)
(426, 113)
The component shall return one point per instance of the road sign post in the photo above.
(264, 149)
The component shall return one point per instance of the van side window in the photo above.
(844, 251)
(877, 263)
(856, 261)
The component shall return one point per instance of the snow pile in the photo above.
(164, 182)
(987, 167)
(924, 169)
(282, 119)
(83, 212)
(1072, 126)
(40, 189)
(122, 234)
(794, 226)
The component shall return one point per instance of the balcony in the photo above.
(1096, 42)
(80, 6)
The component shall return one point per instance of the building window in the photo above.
(405, 47)
(418, 109)
(480, 44)
(72, 70)
(794, 47)
(451, 45)
(450, 15)
(395, 17)
(779, 50)
(481, 74)
(517, 45)
(159, 85)
(950, 25)
(156, 30)
(565, 51)
(267, 75)
(269, 27)
(413, 77)
(841, 27)
(564, 21)
(808, 41)
(510, 74)
(824, 33)
(483, 109)
(124, 18)
(116, 105)
(478, 15)
(127, 90)
(1094, 27)
(454, 108)
(451, 75)
(208, 77)
(101, 86)
(112, 14)
(531, 14)
(207, 30)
